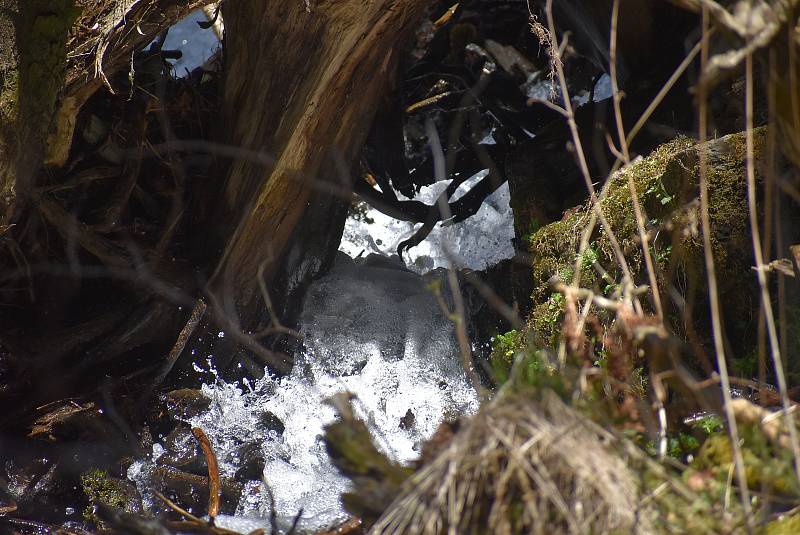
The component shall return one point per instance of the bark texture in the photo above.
(302, 85)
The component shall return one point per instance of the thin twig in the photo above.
(584, 168)
(191, 324)
(214, 485)
(276, 327)
(761, 272)
(486, 291)
(716, 323)
(177, 508)
(637, 208)
(279, 362)
(459, 315)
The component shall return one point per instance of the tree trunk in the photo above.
(302, 86)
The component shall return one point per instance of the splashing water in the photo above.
(371, 328)
(478, 242)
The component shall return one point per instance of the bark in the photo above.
(302, 85)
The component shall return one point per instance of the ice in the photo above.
(542, 90)
(371, 327)
(602, 89)
(478, 242)
(195, 43)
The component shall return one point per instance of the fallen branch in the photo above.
(214, 485)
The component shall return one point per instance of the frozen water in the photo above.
(196, 44)
(602, 89)
(370, 327)
(478, 242)
(542, 90)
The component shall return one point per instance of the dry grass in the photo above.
(522, 465)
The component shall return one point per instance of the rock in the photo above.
(407, 421)
(101, 488)
(191, 490)
(69, 420)
(667, 185)
(251, 463)
(270, 422)
(183, 451)
(186, 403)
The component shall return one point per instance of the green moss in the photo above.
(99, 487)
(533, 372)
(545, 322)
(666, 182)
(767, 467)
(8, 96)
(710, 424)
(504, 348)
(787, 525)
(554, 247)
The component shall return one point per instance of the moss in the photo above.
(99, 487)
(666, 181)
(767, 467)
(554, 247)
(504, 348)
(8, 96)
(545, 322)
(787, 525)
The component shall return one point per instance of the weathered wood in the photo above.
(53, 56)
(302, 85)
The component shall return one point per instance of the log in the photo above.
(302, 85)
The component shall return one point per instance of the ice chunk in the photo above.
(478, 242)
(195, 43)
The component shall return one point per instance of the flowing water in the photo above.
(373, 327)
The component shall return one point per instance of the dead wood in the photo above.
(315, 99)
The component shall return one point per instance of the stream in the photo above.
(371, 326)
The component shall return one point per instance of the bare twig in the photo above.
(275, 327)
(491, 297)
(214, 485)
(279, 362)
(193, 523)
(766, 303)
(177, 508)
(191, 324)
(668, 85)
(459, 315)
(716, 323)
(584, 168)
(637, 209)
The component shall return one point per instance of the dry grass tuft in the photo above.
(522, 465)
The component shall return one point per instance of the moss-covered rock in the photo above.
(769, 467)
(667, 184)
(787, 525)
(99, 487)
